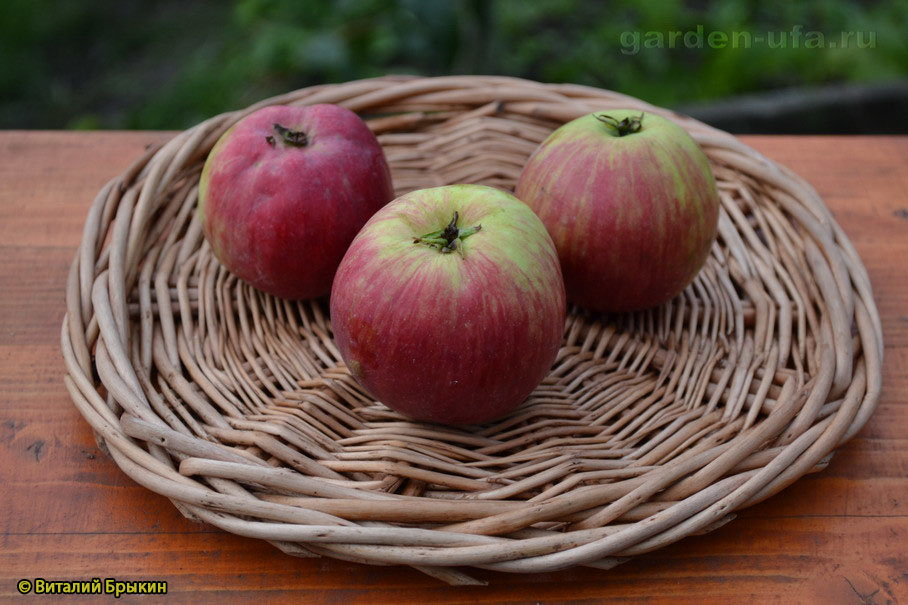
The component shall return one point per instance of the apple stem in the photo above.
(448, 239)
(294, 138)
(628, 125)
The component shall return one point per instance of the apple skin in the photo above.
(633, 217)
(450, 338)
(280, 215)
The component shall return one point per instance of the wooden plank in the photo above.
(70, 513)
(799, 560)
(50, 179)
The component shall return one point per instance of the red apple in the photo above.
(284, 192)
(449, 305)
(631, 204)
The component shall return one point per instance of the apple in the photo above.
(631, 204)
(285, 190)
(449, 305)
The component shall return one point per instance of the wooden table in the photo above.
(68, 513)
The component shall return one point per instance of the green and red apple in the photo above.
(285, 190)
(630, 202)
(449, 305)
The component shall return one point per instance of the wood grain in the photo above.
(839, 536)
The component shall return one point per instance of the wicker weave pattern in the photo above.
(650, 427)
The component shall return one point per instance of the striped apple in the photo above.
(449, 305)
(631, 204)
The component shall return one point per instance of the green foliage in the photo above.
(172, 63)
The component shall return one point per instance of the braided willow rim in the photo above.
(650, 427)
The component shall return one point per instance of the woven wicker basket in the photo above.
(650, 427)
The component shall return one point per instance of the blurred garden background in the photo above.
(835, 66)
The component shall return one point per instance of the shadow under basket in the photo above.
(650, 427)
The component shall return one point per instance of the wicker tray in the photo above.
(650, 427)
